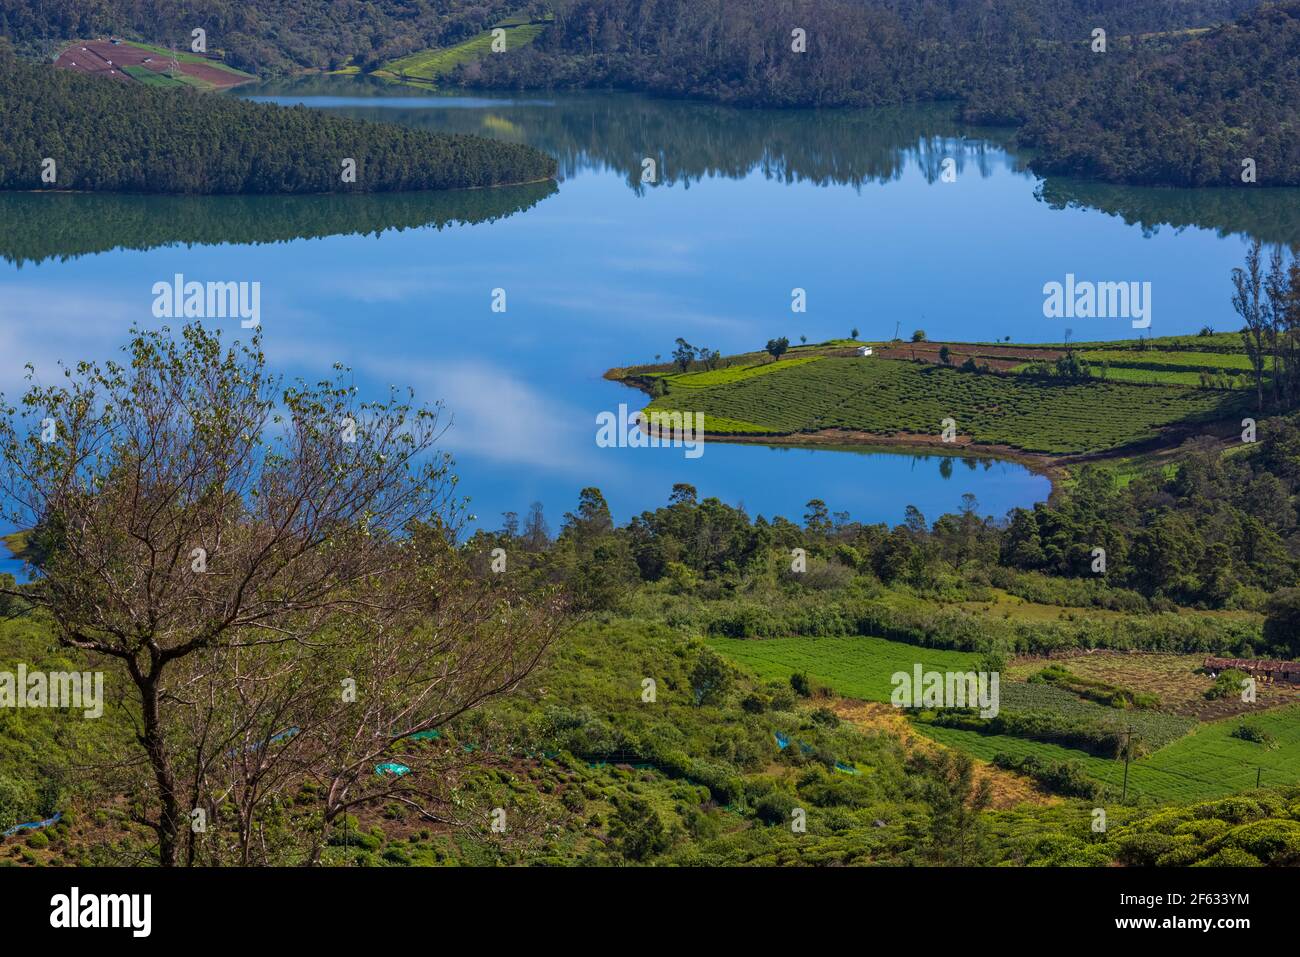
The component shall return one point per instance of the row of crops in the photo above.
(887, 397)
(1181, 759)
(1172, 361)
(1153, 729)
(730, 374)
(1215, 342)
(1218, 370)
(1210, 762)
(430, 65)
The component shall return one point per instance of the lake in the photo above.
(604, 270)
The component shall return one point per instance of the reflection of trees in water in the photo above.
(946, 463)
(692, 140)
(41, 226)
(1272, 215)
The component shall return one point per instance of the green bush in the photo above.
(774, 807)
(1272, 841)
(1227, 683)
(1248, 732)
(1230, 857)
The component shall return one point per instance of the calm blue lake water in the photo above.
(604, 271)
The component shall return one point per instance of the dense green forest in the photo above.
(859, 54)
(1166, 107)
(731, 44)
(109, 136)
(1163, 103)
(261, 36)
(1193, 117)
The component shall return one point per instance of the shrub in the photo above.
(1230, 857)
(1062, 777)
(1144, 850)
(1227, 683)
(1271, 841)
(825, 717)
(1248, 732)
(637, 830)
(774, 807)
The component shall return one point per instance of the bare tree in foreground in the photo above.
(273, 572)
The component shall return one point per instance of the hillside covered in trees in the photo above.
(1164, 102)
(857, 53)
(1192, 117)
(262, 36)
(106, 136)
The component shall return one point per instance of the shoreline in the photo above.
(1055, 468)
(355, 192)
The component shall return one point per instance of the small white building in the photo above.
(864, 350)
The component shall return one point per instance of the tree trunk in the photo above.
(170, 815)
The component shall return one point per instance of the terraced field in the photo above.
(1169, 360)
(1154, 728)
(1191, 380)
(1207, 763)
(1190, 761)
(149, 64)
(427, 66)
(729, 375)
(889, 397)
(1216, 342)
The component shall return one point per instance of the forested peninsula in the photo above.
(65, 131)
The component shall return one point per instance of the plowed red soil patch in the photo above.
(1001, 358)
(105, 58)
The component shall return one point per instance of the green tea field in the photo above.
(1207, 763)
(890, 397)
(1188, 761)
(427, 66)
(857, 667)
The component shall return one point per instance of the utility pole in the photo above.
(1128, 750)
(1258, 771)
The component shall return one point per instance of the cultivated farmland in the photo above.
(427, 66)
(891, 397)
(858, 667)
(150, 65)
(1184, 759)
(1209, 762)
